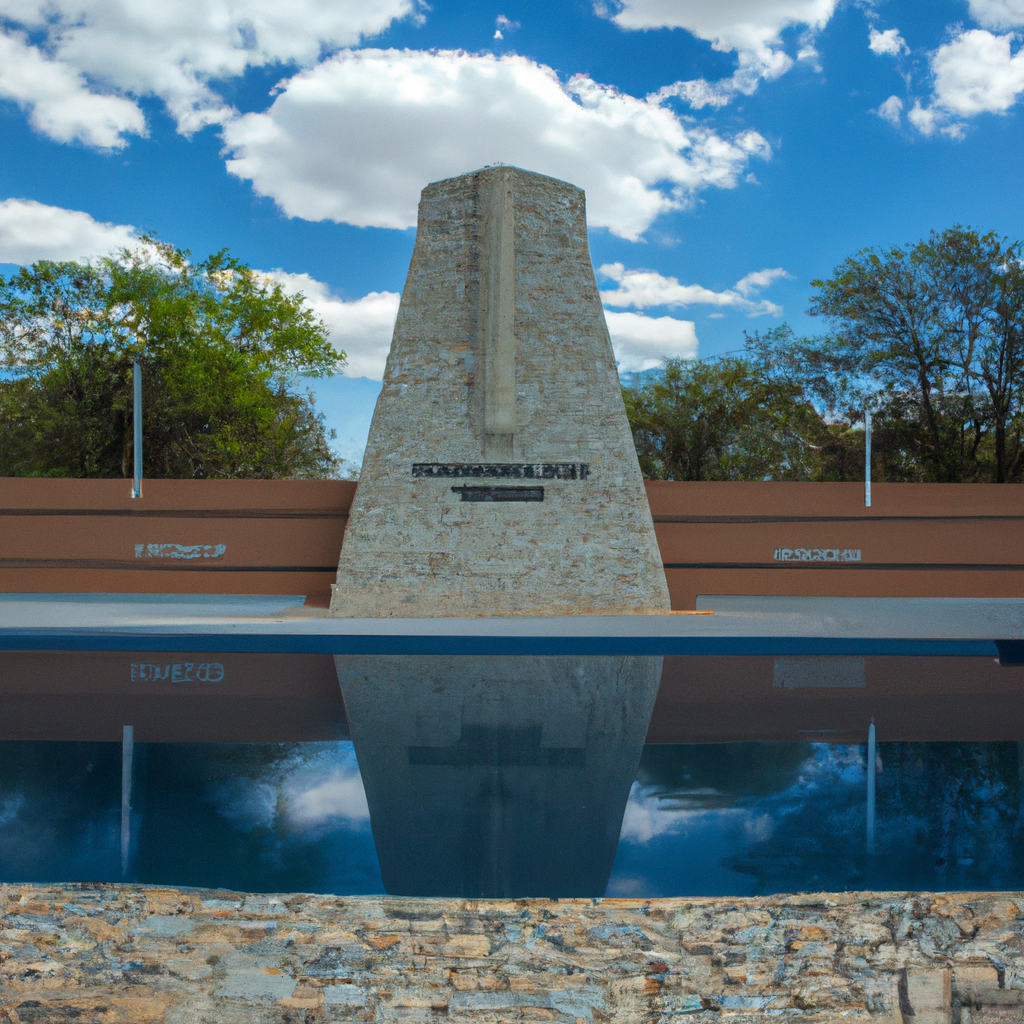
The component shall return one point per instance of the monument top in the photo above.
(500, 475)
(498, 167)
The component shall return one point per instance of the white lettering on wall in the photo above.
(187, 551)
(178, 672)
(817, 554)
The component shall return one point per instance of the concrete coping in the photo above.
(740, 625)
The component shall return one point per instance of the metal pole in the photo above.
(871, 789)
(867, 458)
(137, 417)
(127, 750)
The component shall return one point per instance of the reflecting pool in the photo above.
(540, 776)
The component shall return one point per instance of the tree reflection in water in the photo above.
(273, 817)
(725, 819)
(730, 819)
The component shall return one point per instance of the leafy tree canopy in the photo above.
(935, 332)
(930, 336)
(220, 346)
(739, 418)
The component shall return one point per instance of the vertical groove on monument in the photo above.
(500, 475)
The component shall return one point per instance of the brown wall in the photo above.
(922, 699)
(916, 540)
(279, 536)
(283, 537)
(273, 698)
(170, 697)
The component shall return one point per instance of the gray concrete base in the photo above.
(969, 627)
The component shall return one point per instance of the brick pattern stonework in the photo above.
(138, 955)
(500, 358)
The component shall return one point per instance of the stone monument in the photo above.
(500, 476)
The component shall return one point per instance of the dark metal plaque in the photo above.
(500, 493)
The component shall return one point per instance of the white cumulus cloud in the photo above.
(58, 100)
(642, 342)
(998, 13)
(890, 41)
(891, 110)
(977, 72)
(362, 327)
(92, 55)
(924, 119)
(31, 231)
(744, 25)
(355, 138)
(750, 28)
(504, 25)
(758, 279)
(642, 289)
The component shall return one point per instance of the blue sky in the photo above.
(731, 152)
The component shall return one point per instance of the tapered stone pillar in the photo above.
(500, 476)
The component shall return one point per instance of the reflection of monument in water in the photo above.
(496, 776)
(500, 478)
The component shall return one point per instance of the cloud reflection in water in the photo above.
(312, 788)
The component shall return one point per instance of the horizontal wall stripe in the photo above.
(898, 566)
(183, 513)
(505, 645)
(836, 519)
(249, 513)
(182, 565)
(153, 565)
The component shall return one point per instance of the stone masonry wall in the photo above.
(531, 357)
(141, 955)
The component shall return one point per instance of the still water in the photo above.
(532, 776)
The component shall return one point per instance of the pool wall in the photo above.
(132, 954)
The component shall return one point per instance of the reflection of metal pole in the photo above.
(137, 417)
(871, 789)
(867, 458)
(127, 750)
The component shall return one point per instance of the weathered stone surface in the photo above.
(501, 361)
(133, 955)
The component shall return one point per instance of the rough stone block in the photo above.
(928, 996)
(500, 475)
(613, 964)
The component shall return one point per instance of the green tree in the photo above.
(822, 381)
(221, 346)
(724, 419)
(935, 332)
